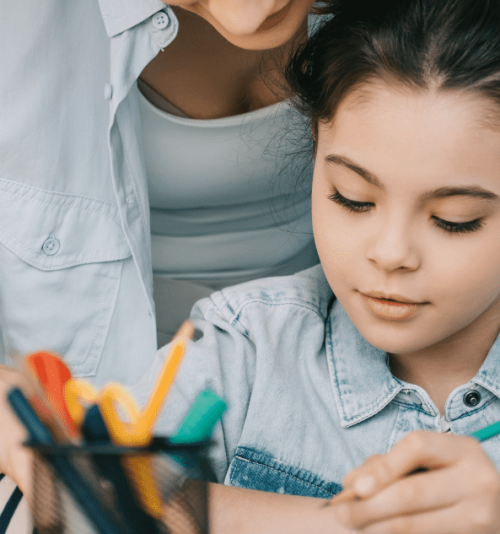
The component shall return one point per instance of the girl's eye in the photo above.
(458, 228)
(447, 226)
(351, 205)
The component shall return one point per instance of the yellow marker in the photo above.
(137, 431)
(76, 391)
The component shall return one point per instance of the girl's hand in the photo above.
(459, 494)
(15, 460)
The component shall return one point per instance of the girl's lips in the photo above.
(392, 310)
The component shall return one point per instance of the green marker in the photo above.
(200, 421)
(196, 427)
(487, 432)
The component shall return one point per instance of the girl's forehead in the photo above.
(432, 108)
(393, 129)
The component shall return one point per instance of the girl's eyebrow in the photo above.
(442, 192)
(471, 191)
(348, 163)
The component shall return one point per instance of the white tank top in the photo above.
(223, 193)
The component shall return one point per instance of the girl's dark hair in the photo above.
(443, 44)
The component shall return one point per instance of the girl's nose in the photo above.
(393, 247)
(243, 17)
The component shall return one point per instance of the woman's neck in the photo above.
(206, 77)
(441, 368)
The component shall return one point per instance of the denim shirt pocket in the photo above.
(257, 470)
(61, 258)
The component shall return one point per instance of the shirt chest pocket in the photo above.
(61, 258)
(260, 471)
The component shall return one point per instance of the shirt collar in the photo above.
(361, 378)
(488, 375)
(121, 15)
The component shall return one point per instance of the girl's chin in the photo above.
(394, 342)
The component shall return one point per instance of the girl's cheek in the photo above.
(333, 240)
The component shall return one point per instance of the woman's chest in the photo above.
(206, 77)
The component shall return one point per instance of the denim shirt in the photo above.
(75, 258)
(308, 397)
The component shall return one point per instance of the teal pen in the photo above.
(487, 432)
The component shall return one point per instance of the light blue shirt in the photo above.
(75, 258)
(308, 397)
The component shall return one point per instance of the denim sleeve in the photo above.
(223, 360)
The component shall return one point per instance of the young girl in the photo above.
(384, 358)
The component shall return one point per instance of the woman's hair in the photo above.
(423, 44)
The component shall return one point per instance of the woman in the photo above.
(219, 163)
(75, 269)
(75, 257)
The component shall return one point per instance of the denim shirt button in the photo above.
(472, 398)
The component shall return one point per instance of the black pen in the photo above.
(94, 431)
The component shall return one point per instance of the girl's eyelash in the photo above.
(459, 228)
(447, 226)
(351, 205)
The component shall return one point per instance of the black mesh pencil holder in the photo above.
(98, 488)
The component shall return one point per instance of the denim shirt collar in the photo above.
(121, 15)
(361, 378)
(488, 375)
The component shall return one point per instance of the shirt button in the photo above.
(472, 398)
(51, 246)
(161, 20)
(108, 91)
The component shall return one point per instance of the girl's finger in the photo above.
(471, 518)
(421, 449)
(409, 495)
(361, 470)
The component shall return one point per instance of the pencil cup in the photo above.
(78, 490)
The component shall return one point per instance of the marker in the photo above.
(487, 432)
(197, 426)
